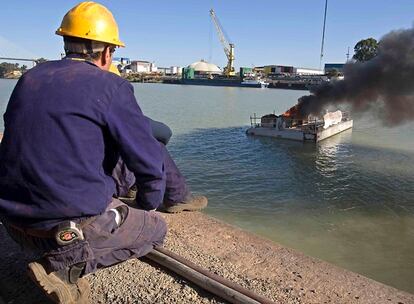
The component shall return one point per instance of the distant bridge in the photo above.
(35, 61)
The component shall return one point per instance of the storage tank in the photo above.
(203, 67)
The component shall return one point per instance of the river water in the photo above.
(348, 200)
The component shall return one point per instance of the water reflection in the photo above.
(328, 200)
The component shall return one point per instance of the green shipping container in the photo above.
(244, 72)
(188, 73)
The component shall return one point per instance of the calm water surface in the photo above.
(348, 200)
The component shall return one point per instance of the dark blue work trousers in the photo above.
(105, 242)
(176, 187)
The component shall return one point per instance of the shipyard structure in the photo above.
(272, 76)
(205, 73)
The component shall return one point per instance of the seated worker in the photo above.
(177, 196)
(159, 130)
(67, 124)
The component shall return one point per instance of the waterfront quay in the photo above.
(208, 74)
(205, 73)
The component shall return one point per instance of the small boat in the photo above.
(312, 129)
(254, 82)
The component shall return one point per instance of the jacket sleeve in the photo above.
(140, 151)
(160, 131)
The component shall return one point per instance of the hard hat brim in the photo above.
(60, 32)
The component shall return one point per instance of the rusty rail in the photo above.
(211, 282)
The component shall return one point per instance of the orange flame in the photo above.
(293, 112)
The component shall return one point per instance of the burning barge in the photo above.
(312, 129)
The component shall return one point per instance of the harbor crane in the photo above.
(228, 46)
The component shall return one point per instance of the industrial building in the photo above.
(306, 71)
(123, 61)
(144, 67)
(139, 66)
(334, 66)
(273, 70)
(173, 70)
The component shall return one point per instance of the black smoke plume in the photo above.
(385, 83)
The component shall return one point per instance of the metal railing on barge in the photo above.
(309, 125)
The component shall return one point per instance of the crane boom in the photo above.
(227, 46)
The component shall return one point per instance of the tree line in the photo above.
(365, 49)
(7, 68)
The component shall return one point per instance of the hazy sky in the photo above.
(180, 32)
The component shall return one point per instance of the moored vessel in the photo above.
(254, 83)
(313, 129)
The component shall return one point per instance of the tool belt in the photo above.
(43, 234)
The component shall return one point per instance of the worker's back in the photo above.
(56, 156)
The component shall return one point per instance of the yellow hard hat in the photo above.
(114, 69)
(90, 20)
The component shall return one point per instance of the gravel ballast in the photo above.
(273, 271)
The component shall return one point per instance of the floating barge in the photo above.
(313, 129)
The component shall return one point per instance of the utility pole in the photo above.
(210, 43)
(347, 55)
(323, 34)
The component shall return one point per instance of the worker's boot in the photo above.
(130, 197)
(132, 192)
(192, 203)
(62, 286)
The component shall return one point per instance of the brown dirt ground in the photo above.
(278, 273)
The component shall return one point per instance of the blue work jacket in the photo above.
(66, 124)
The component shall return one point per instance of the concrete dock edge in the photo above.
(271, 270)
